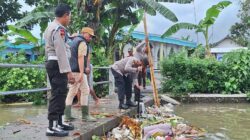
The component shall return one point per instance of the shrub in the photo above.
(22, 78)
(98, 60)
(238, 74)
(196, 75)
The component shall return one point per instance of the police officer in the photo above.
(58, 69)
(121, 70)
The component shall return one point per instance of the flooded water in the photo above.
(11, 113)
(222, 121)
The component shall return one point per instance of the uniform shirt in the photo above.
(125, 66)
(82, 49)
(139, 50)
(55, 45)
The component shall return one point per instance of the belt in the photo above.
(52, 58)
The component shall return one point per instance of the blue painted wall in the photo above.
(11, 48)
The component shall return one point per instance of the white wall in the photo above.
(228, 43)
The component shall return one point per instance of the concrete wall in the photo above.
(159, 51)
(228, 43)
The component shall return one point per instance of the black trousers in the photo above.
(59, 90)
(124, 86)
(142, 79)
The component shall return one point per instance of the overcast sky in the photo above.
(192, 13)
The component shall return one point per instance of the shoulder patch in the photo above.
(62, 32)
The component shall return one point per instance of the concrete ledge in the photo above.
(214, 98)
(219, 95)
(105, 127)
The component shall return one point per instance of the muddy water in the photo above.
(222, 121)
(11, 113)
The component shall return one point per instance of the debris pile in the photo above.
(157, 123)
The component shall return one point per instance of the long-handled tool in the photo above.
(151, 64)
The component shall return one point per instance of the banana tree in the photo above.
(108, 17)
(211, 14)
(114, 15)
(25, 36)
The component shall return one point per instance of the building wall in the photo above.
(29, 54)
(227, 43)
(159, 51)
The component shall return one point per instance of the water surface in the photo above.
(11, 113)
(222, 121)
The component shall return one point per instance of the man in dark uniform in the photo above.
(58, 69)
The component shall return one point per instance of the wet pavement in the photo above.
(33, 128)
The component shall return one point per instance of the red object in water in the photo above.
(168, 138)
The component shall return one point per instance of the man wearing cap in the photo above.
(58, 69)
(78, 62)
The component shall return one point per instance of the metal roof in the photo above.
(158, 38)
(20, 46)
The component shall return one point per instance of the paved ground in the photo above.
(34, 128)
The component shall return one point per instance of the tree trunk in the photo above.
(208, 53)
(111, 41)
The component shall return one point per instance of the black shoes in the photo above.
(127, 105)
(131, 104)
(136, 100)
(123, 106)
(66, 127)
(57, 132)
(141, 96)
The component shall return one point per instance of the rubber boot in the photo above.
(85, 115)
(67, 113)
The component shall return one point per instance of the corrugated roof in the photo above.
(20, 46)
(157, 38)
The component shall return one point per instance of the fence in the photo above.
(110, 79)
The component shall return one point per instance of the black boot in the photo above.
(123, 106)
(131, 104)
(64, 126)
(141, 96)
(53, 130)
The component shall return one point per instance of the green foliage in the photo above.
(9, 12)
(211, 15)
(24, 33)
(21, 78)
(194, 75)
(98, 59)
(238, 75)
(248, 96)
(34, 17)
(94, 137)
(199, 52)
(240, 32)
(162, 10)
(213, 12)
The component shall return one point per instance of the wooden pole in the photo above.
(151, 63)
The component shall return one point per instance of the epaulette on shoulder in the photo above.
(58, 27)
